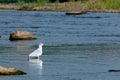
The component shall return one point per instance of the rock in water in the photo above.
(75, 13)
(21, 35)
(113, 70)
(10, 71)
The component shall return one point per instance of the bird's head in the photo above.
(41, 44)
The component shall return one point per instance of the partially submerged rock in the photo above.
(76, 12)
(21, 35)
(113, 70)
(10, 71)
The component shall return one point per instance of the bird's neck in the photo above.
(40, 47)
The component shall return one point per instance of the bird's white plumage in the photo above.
(37, 52)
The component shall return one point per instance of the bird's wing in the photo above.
(34, 53)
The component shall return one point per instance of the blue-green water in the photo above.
(76, 47)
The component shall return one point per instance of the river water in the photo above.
(76, 47)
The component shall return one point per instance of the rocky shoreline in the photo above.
(7, 6)
(63, 7)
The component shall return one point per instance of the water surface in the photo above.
(77, 47)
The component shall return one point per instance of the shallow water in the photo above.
(77, 47)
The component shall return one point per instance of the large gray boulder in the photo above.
(10, 71)
(21, 35)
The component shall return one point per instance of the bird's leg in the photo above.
(38, 57)
(28, 58)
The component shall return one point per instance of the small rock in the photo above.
(10, 71)
(75, 13)
(21, 35)
(112, 70)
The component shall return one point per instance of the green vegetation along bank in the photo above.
(80, 5)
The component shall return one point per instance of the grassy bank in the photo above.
(103, 4)
(81, 5)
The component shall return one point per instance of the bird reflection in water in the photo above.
(36, 66)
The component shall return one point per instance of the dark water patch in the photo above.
(81, 47)
(5, 22)
(112, 35)
(35, 27)
(90, 17)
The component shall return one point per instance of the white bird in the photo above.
(37, 53)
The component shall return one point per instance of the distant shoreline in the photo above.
(62, 7)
